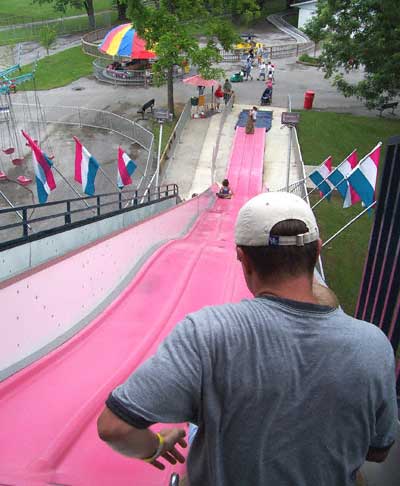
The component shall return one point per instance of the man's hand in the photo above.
(169, 451)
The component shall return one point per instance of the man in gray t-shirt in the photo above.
(284, 391)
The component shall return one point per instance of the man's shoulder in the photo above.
(370, 336)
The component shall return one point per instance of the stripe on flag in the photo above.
(363, 177)
(126, 167)
(86, 167)
(45, 182)
(319, 176)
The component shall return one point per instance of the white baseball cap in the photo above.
(259, 215)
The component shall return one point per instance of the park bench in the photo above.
(147, 106)
(387, 106)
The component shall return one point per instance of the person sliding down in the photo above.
(225, 192)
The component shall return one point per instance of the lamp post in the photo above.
(161, 116)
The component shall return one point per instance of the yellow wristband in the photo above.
(158, 451)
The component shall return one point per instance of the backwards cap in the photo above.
(259, 215)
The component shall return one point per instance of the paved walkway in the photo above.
(193, 157)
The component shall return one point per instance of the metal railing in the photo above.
(126, 77)
(90, 43)
(138, 77)
(88, 117)
(20, 29)
(175, 136)
(23, 223)
(225, 113)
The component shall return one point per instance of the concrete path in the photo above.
(182, 167)
(193, 160)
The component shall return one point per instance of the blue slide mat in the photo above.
(264, 119)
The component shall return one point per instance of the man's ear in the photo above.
(244, 260)
(319, 247)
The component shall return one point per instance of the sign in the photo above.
(290, 118)
(162, 115)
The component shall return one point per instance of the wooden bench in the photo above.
(387, 106)
(147, 106)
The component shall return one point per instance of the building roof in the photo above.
(304, 3)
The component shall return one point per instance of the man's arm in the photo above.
(140, 443)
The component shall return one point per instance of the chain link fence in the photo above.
(87, 117)
(22, 29)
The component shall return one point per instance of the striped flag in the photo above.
(319, 176)
(86, 167)
(363, 177)
(126, 167)
(45, 182)
(338, 179)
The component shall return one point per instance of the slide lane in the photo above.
(48, 419)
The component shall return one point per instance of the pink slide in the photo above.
(48, 411)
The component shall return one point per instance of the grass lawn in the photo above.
(343, 259)
(27, 11)
(325, 133)
(322, 134)
(59, 69)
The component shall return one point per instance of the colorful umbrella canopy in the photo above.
(124, 41)
(197, 80)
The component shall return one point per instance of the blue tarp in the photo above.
(264, 119)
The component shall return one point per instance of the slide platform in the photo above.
(48, 411)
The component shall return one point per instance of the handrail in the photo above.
(100, 209)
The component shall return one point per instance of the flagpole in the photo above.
(109, 179)
(71, 186)
(327, 177)
(12, 206)
(379, 144)
(348, 224)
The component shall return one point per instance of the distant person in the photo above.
(247, 69)
(260, 53)
(227, 90)
(218, 95)
(271, 72)
(251, 120)
(262, 70)
(225, 191)
(284, 391)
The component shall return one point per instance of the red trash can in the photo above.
(308, 99)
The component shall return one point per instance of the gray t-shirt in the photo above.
(284, 393)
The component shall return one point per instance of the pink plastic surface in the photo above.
(48, 411)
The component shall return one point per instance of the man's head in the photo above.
(277, 237)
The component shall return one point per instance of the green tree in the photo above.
(121, 6)
(314, 32)
(170, 26)
(361, 34)
(47, 36)
(62, 5)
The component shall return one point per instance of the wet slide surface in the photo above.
(48, 411)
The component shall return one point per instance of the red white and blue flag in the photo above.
(363, 177)
(45, 182)
(319, 177)
(86, 167)
(126, 167)
(338, 177)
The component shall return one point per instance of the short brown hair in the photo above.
(284, 260)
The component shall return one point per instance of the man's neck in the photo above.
(297, 288)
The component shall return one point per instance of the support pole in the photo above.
(12, 206)
(159, 153)
(70, 185)
(288, 158)
(348, 224)
(109, 180)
